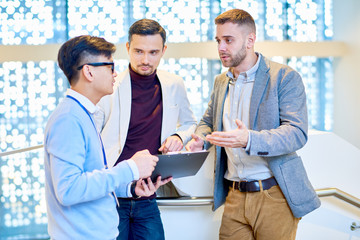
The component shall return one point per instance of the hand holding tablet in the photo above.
(179, 164)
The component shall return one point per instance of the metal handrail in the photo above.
(199, 201)
(334, 192)
(196, 201)
(21, 150)
(185, 201)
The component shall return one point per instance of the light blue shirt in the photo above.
(77, 186)
(242, 166)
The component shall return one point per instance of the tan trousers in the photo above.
(263, 215)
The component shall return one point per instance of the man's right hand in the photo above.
(195, 144)
(145, 162)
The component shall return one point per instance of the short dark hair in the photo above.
(147, 27)
(75, 52)
(236, 16)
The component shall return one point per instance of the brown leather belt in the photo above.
(253, 186)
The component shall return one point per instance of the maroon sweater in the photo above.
(146, 116)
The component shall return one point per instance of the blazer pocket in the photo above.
(297, 183)
(173, 115)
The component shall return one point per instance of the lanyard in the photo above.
(102, 145)
(92, 121)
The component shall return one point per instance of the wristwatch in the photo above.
(132, 190)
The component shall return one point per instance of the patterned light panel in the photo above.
(29, 91)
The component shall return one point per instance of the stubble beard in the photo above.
(237, 59)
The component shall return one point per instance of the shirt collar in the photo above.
(249, 75)
(88, 105)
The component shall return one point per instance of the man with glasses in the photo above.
(80, 190)
(148, 109)
(97, 64)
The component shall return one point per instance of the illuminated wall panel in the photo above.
(30, 91)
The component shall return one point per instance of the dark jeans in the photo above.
(139, 219)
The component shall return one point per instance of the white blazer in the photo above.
(113, 115)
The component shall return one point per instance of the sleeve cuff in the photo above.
(128, 191)
(175, 134)
(134, 169)
(247, 149)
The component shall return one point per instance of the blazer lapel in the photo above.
(220, 107)
(165, 114)
(124, 107)
(261, 79)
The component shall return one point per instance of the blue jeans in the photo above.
(139, 220)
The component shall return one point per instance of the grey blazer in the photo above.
(278, 127)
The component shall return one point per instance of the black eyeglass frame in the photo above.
(98, 64)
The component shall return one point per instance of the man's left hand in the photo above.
(171, 144)
(234, 139)
(143, 189)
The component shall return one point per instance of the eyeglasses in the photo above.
(98, 64)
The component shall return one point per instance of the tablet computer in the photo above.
(179, 164)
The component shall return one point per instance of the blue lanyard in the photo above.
(102, 145)
(92, 121)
